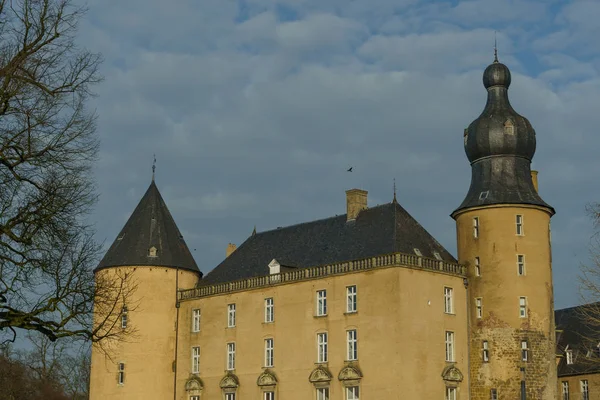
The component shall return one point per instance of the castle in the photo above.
(365, 305)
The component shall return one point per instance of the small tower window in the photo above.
(152, 252)
(475, 227)
(520, 264)
(486, 351)
(524, 351)
(519, 225)
(478, 307)
(509, 127)
(523, 307)
(121, 374)
(477, 267)
(124, 317)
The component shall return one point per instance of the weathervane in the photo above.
(153, 167)
(495, 47)
(394, 189)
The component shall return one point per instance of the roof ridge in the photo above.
(279, 229)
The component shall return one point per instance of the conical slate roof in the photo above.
(150, 237)
(379, 230)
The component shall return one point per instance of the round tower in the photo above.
(145, 265)
(503, 236)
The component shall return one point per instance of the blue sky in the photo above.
(256, 108)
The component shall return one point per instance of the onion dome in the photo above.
(150, 238)
(500, 145)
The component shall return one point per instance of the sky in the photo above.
(255, 109)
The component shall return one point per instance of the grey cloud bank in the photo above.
(255, 109)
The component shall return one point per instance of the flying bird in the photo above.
(349, 169)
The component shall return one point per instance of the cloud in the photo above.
(256, 108)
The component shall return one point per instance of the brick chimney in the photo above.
(356, 201)
(230, 249)
(534, 175)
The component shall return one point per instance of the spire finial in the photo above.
(153, 167)
(495, 48)
(395, 190)
(254, 231)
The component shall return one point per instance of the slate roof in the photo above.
(376, 231)
(576, 332)
(150, 224)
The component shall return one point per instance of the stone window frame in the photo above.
(477, 266)
(565, 390)
(195, 359)
(269, 310)
(124, 316)
(352, 392)
(352, 344)
(196, 314)
(121, 373)
(231, 310)
(522, 306)
(321, 303)
(451, 393)
(585, 389)
(449, 345)
(230, 364)
(479, 307)
(519, 225)
(269, 352)
(476, 227)
(351, 299)
(448, 300)
(524, 350)
(485, 351)
(322, 347)
(322, 393)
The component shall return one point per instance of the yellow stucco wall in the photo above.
(499, 286)
(575, 386)
(148, 353)
(400, 321)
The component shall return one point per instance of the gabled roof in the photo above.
(376, 231)
(581, 335)
(150, 227)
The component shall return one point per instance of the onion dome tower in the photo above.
(503, 236)
(147, 262)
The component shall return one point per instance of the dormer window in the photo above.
(274, 267)
(152, 252)
(569, 354)
(418, 252)
(437, 255)
(509, 127)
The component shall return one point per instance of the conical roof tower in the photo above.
(150, 237)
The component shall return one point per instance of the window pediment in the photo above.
(194, 384)
(452, 374)
(229, 381)
(350, 375)
(320, 375)
(267, 378)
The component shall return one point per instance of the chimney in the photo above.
(230, 249)
(534, 175)
(356, 201)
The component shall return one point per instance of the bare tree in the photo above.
(47, 146)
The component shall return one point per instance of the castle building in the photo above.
(365, 305)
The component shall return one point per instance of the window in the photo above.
(524, 351)
(351, 299)
(231, 315)
(494, 394)
(269, 310)
(519, 224)
(565, 390)
(124, 317)
(437, 255)
(585, 394)
(477, 267)
(450, 393)
(229, 396)
(194, 397)
(352, 393)
(269, 396)
(569, 357)
(195, 360)
(478, 307)
(475, 227)
(448, 306)
(196, 320)
(322, 347)
(269, 352)
(230, 356)
(520, 264)
(418, 252)
(321, 302)
(523, 307)
(352, 345)
(486, 351)
(323, 394)
(449, 346)
(121, 375)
